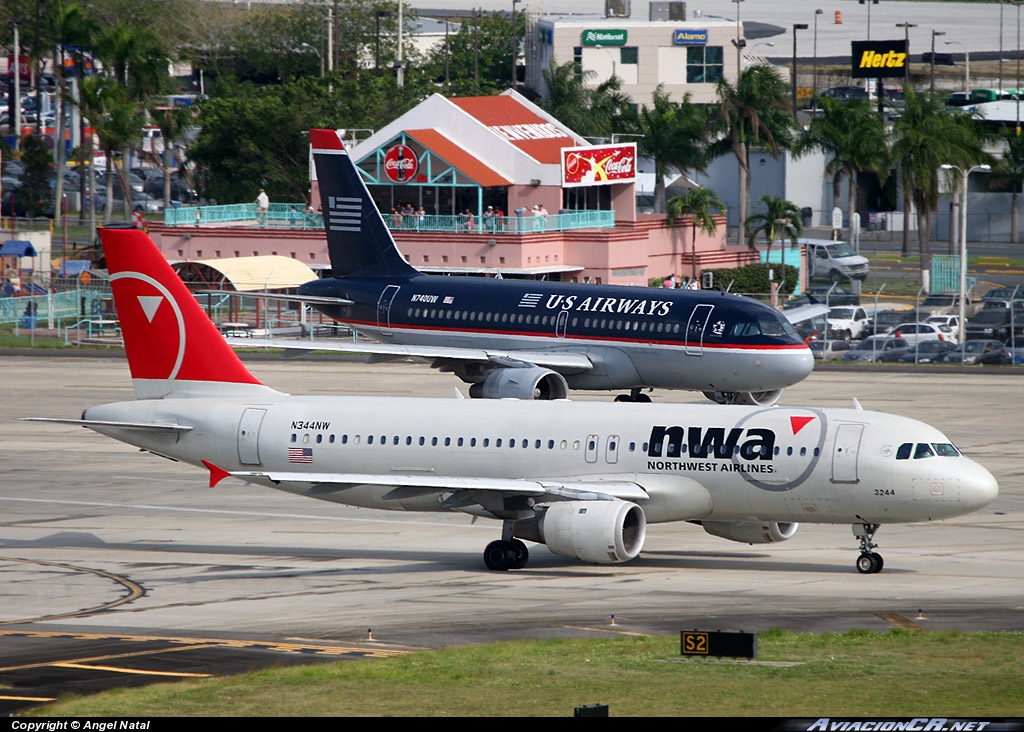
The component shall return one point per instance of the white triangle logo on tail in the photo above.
(149, 304)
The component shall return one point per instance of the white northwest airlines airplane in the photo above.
(584, 478)
(535, 340)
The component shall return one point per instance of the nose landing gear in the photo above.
(869, 562)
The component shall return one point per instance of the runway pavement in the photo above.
(110, 553)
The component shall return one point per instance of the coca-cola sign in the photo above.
(598, 165)
(400, 164)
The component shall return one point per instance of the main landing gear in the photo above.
(868, 562)
(506, 553)
(634, 395)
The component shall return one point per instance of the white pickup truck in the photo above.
(834, 260)
(847, 322)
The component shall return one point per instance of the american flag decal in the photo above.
(344, 213)
(530, 300)
(300, 454)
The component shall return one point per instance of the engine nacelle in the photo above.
(526, 383)
(751, 532)
(750, 398)
(602, 532)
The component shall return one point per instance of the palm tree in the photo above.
(589, 111)
(700, 204)
(1010, 171)
(674, 136)
(926, 136)
(780, 217)
(173, 123)
(753, 112)
(853, 136)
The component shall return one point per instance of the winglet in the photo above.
(217, 473)
(857, 406)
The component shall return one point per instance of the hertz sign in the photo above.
(879, 59)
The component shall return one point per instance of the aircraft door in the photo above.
(699, 319)
(561, 323)
(384, 308)
(611, 450)
(845, 452)
(249, 436)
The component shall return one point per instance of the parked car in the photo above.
(1003, 295)
(871, 349)
(928, 352)
(949, 324)
(829, 350)
(983, 351)
(885, 321)
(996, 323)
(847, 322)
(914, 333)
(834, 260)
(944, 304)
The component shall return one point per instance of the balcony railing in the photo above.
(292, 216)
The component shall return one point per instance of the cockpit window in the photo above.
(924, 450)
(775, 328)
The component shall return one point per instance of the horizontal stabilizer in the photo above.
(149, 426)
(555, 359)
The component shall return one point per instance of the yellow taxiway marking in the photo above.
(901, 622)
(6, 697)
(185, 644)
(134, 671)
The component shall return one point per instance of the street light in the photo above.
(739, 42)
(796, 27)
(515, 42)
(963, 238)
(906, 39)
(931, 75)
(967, 66)
(814, 83)
(869, 4)
(376, 59)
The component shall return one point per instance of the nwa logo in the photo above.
(888, 60)
(702, 442)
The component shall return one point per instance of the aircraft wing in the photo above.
(551, 359)
(407, 485)
(149, 426)
(308, 299)
(805, 312)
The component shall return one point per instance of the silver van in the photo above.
(834, 260)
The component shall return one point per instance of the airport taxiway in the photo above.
(102, 543)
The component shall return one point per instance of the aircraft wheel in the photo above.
(645, 398)
(521, 552)
(499, 556)
(879, 562)
(869, 563)
(623, 398)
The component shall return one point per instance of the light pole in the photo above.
(814, 82)
(796, 27)
(931, 76)
(739, 42)
(906, 39)
(376, 59)
(964, 175)
(967, 65)
(869, 4)
(515, 42)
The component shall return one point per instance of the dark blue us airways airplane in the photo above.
(536, 340)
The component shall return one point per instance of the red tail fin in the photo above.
(173, 348)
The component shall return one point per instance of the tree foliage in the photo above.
(591, 111)
(35, 192)
(476, 58)
(674, 135)
(755, 112)
(755, 279)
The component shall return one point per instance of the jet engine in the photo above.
(602, 532)
(532, 382)
(750, 398)
(751, 532)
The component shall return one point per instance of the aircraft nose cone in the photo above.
(799, 366)
(979, 489)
